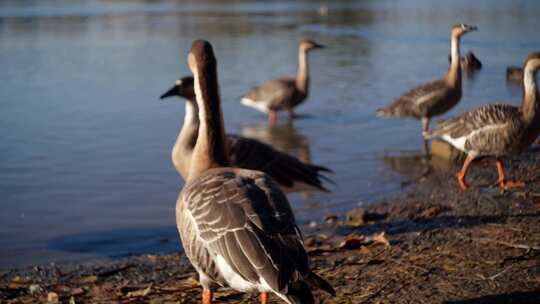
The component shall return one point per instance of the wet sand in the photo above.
(445, 246)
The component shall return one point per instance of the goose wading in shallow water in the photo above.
(497, 130)
(288, 171)
(514, 74)
(436, 97)
(469, 63)
(236, 225)
(283, 94)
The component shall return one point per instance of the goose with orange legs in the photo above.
(497, 130)
(236, 225)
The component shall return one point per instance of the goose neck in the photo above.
(302, 77)
(186, 140)
(210, 149)
(531, 105)
(453, 77)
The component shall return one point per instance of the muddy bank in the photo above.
(445, 246)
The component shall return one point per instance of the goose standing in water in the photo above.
(290, 173)
(283, 94)
(497, 130)
(236, 225)
(436, 97)
(514, 74)
(470, 62)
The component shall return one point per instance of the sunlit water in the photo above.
(85, 165)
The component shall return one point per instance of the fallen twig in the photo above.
(493, 277)
(507, 244)
(110, 272)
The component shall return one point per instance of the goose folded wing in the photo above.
(414, 102)
(479, 120)
(283, 168)
(243, 217)
(273, 92)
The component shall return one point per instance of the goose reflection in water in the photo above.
(416, 166)
(283, 137)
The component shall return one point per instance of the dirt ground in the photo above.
(444, 246)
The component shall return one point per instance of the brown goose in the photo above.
(514, 74)
(469, 63)
(497, 130)
(436, 97)
(236, 225)
(283, 94)
(290, 173)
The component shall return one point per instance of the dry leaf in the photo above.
(380, 238)
(352, 241)
(77, 291)
(140, 292)
(89, 279)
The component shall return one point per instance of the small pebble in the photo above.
(34, 288)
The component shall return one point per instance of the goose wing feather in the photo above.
(283, 168)
(242, 216)
(490, 129)
(418, 101)
(274, 93)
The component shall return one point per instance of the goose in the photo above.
(498, 129)
(236, 225)
(469, 63)
(283, 94)
(435, 97)
(290, 173)
(514, 74)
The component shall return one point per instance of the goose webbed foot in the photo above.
(506, 185)
(503, 182)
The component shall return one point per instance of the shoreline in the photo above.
(445, 246)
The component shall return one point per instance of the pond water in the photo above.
(85, 166)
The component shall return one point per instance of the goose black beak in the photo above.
(472, 28)
(171, 92)
(319, 46)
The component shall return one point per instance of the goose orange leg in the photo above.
(272, 118)
(463, 172)
(207, 296)
(264, 297)
(503, 183)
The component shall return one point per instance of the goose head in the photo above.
(459, 30)
(183, 87)
(532, 63)
(308, 45)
